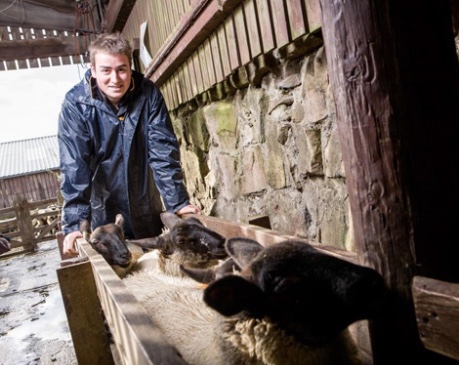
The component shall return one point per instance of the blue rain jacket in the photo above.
(125, 161)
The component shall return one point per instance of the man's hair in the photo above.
(112, 43)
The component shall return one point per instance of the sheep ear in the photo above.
(243, 250)
(119, 221)
(85, 226)
(233, 294)
(149, 243)
(204, 276)
(85, 229)
(170, 219)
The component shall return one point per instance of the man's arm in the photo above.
(74, 152)
(164, 153)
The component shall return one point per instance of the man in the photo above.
(118, 151)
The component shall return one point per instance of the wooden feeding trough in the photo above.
(109, 326)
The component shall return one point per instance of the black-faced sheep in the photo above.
(187, 242)
(109, 241)
(290, 304)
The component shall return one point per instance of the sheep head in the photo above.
(188, 242)
(108, 240)
(311, 295)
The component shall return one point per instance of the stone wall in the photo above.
(271, 149)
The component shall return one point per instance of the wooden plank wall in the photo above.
(248, 29)
(35, 187)
(18, 33)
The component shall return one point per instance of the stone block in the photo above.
(253, 177)
(221, 121)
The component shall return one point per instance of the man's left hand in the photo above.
(191, 208)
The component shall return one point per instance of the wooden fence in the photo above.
(29, 223)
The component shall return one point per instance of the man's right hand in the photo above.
(69, 243)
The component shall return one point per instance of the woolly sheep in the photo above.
(290, 304)
(186, 242)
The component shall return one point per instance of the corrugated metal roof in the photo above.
(28, 156)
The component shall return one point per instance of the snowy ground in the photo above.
(33, 323)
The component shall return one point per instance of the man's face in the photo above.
(113, 75)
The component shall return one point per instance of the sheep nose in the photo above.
(125, 255)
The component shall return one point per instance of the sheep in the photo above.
(187, 242)
(290, 304)
(108, 240)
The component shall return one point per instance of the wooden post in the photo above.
(24, 222)
(84, 314)
(394, 75)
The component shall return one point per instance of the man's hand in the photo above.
(69, 243)
(193, 209)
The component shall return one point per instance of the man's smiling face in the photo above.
(113, 75)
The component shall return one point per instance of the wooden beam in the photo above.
(117, 13)
(437, 312)
(44, 47)
(40, 14)
(401, 168)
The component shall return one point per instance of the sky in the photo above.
(30, 100)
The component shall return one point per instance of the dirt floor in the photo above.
(33, 323)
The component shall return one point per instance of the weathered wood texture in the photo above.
(196, 45)
(39, 14)
(28, 223)
(84, 314)
(401, 169)
(437, 312)
(42, 33)
(138, 339)
(34, 187)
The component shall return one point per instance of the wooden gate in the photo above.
(29, 223)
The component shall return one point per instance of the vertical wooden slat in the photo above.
(171, 18)
(280, 22)
(181, 85)
(297, 18)
(233, 46)
(253, 29)
(216, 57)
(224, 56)
(160, 24)
(192, 76)
(186, 82)
(241, 35)
(19, 35)
(266, 25)
(54, 61)
(210, 63)
(313, 14)
(203, 65)
(198, 73)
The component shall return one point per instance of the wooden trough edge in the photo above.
(136, 338)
